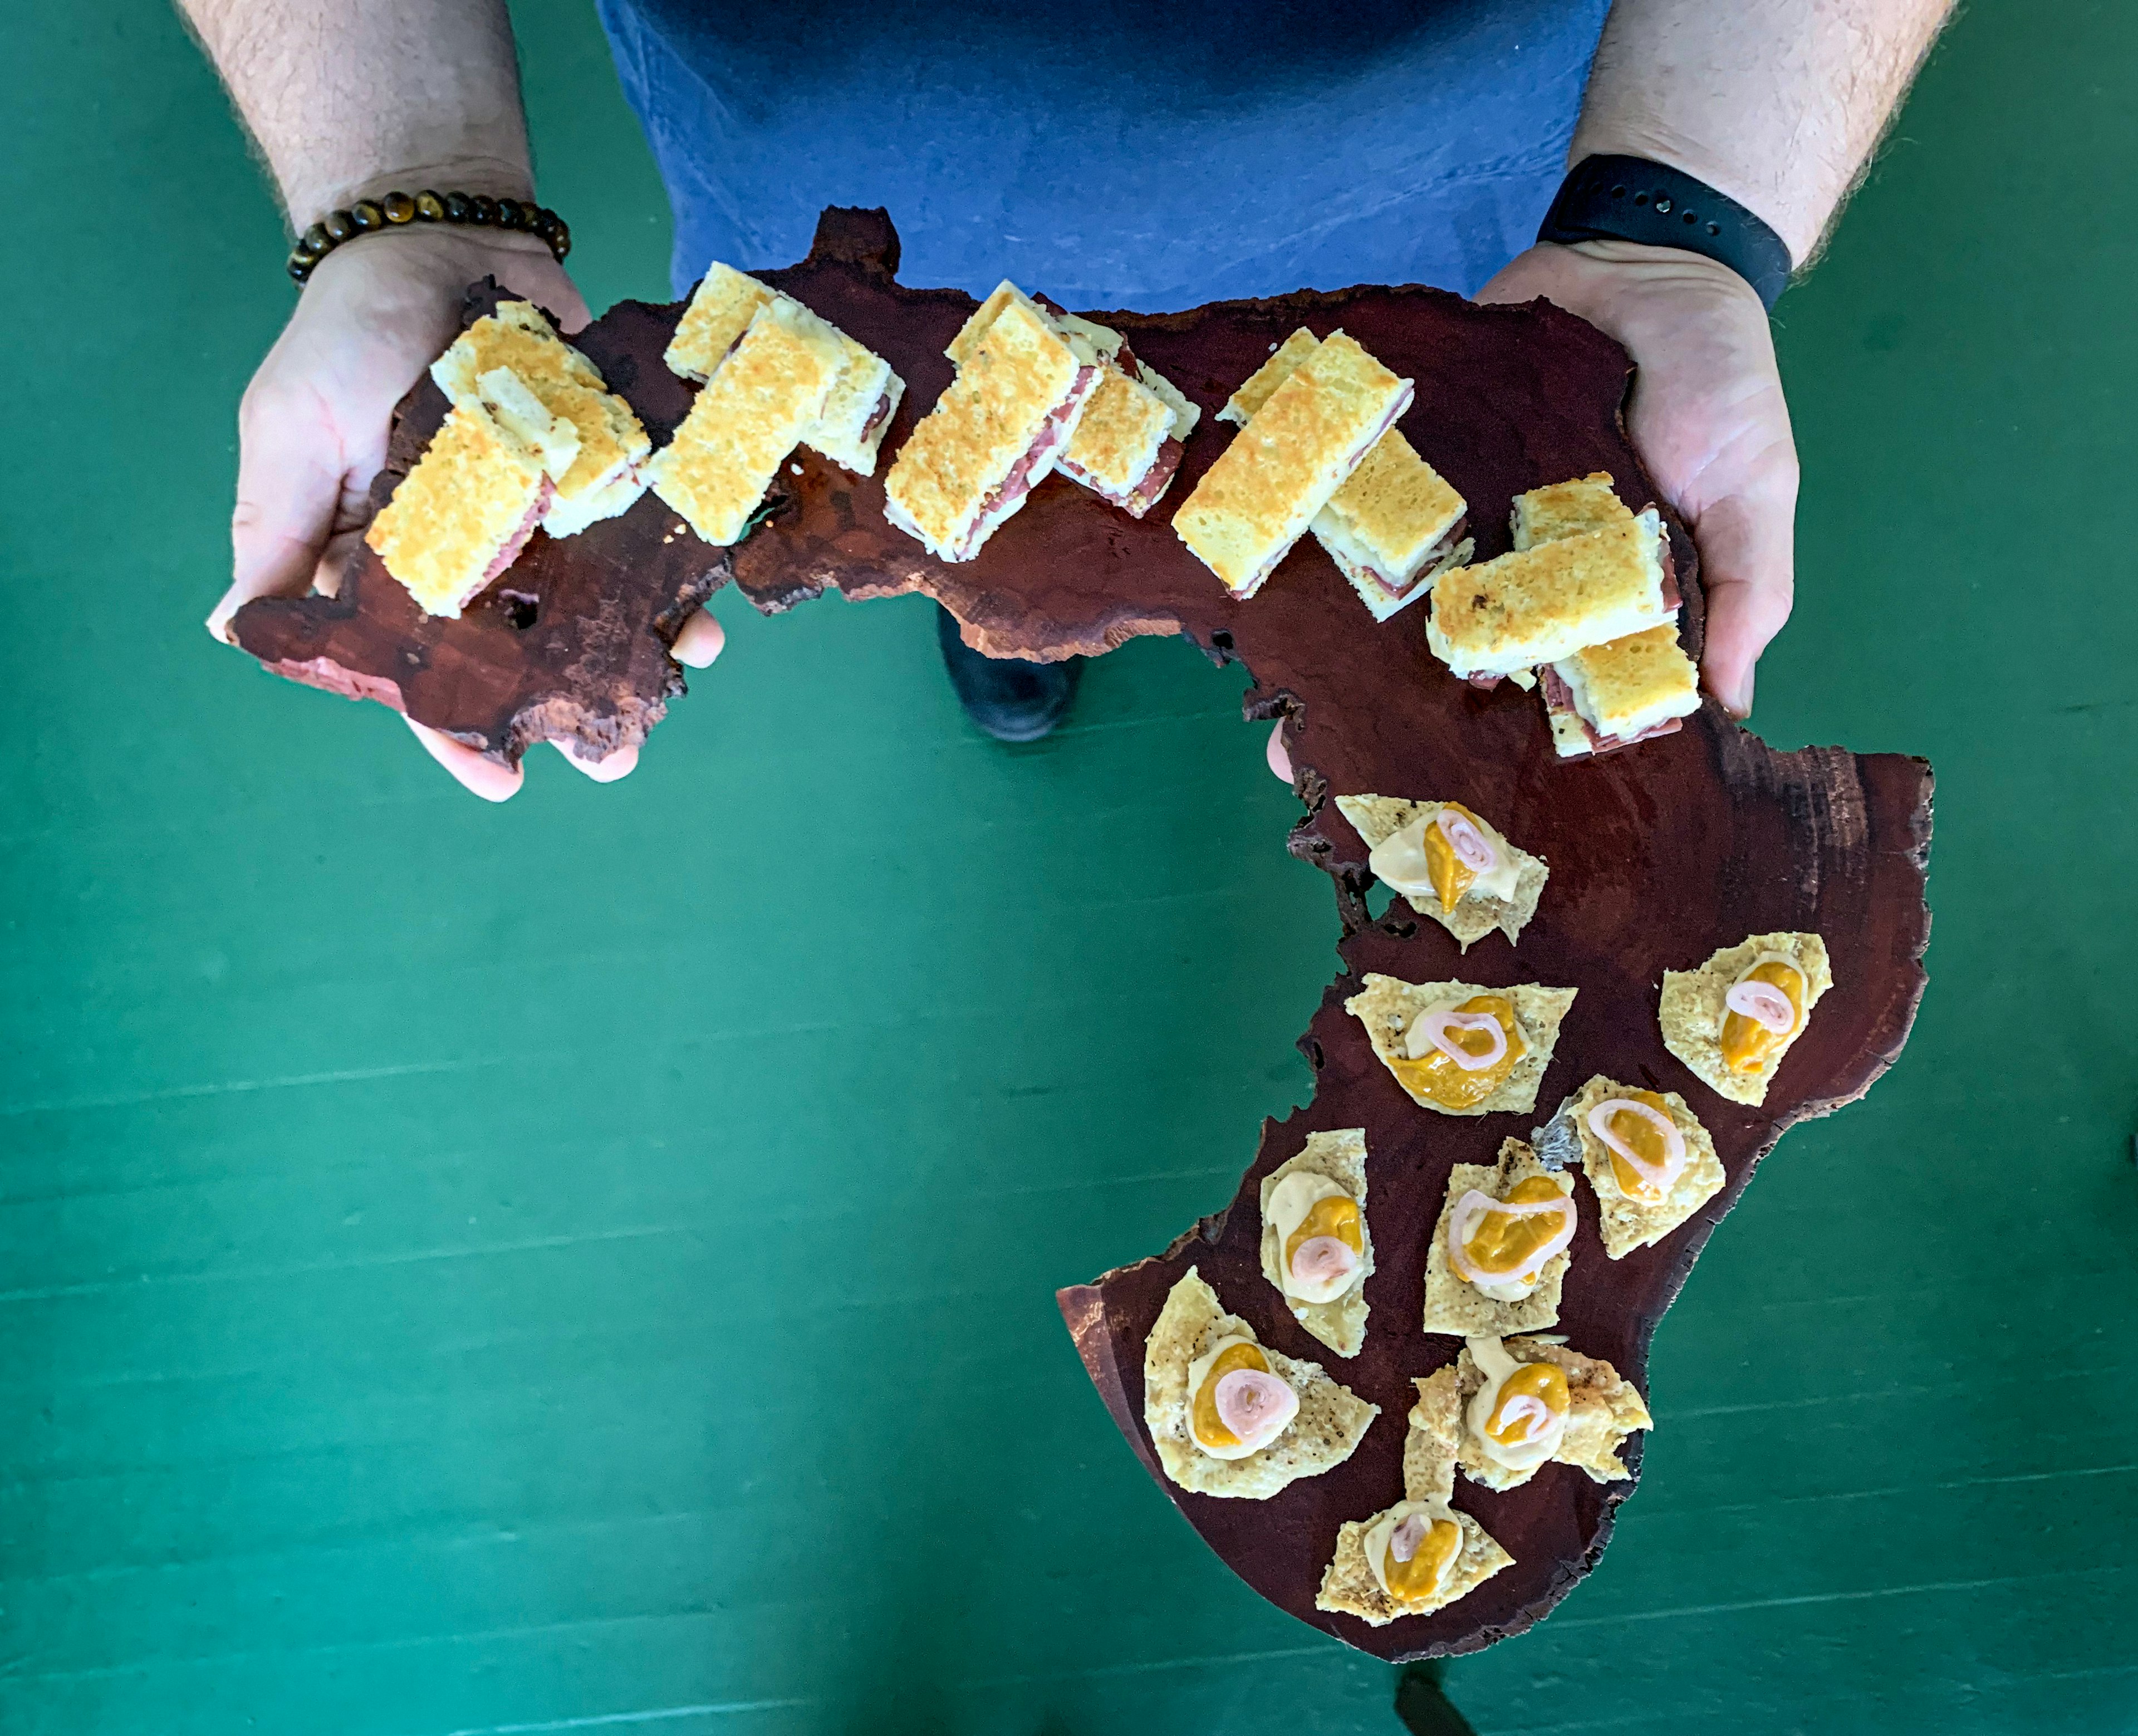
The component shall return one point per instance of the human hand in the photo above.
(313, 425)
(1708, 418)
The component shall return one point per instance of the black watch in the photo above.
(1632, 199)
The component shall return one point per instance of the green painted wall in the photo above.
(451, 1258)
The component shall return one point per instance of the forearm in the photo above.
(1777, 102)
(347, 99)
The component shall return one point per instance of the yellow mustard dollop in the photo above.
(1451, 877)
(1204, 1416)
(1504, 1243)
(1747, 1044)
(1336, 1215)
(1646, 1139)
(1417, 1580)
(1543, 1381)
(1438, 1077)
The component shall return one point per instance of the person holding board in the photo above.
(1658, 167)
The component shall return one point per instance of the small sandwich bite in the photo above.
(1507, 1408)
(1649, 1162)
(1315, 1247)
(1254, 390)
(1626, 690)
(1296, 450)
(1733, 1020)
(1128, 442)
(1499, 1251)
(1451, 864)
(1229, 1416)
(1458, 1048)
(746, 420)
(863, 397)
(462, 516)
(1393, 527)
(1499, 619)
(514, 362)
(996, 433)
(1419, 1555)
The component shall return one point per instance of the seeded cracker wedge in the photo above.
(1349, 1586)
(1340, 1158)
(1476, 914)
(1626, 1221)
(1388, 1004)
(1454, 1305)
(1329, 1425)
(1692, 1007)
(1603, 1410)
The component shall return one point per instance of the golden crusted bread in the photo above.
(1625, 686)
(1624, 1221)
(1395, 508)
(1118, 436)
(747, 418)
(1387, 1005)
(1691, 1009)
(1255, 390)
(1340, 1158)
(1603, 1410)
(1539, 604)
(1264, 490)
(1568, 508)
(1477, 913)
(1017, 374)
(1330, 1424)
(472, 499)
(1452, 1304)
(721, 308)
(518, 336)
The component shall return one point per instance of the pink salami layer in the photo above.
(1358, 457)
(1033, 463)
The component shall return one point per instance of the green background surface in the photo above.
(589, 1263)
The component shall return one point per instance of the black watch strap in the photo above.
(1632, 199)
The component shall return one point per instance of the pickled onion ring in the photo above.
(1763, 1004)
(1474, 1205)
(1434, 1024)
(1404, 1539)
(1533, 1415)
(1255, 1405)
(1660, 1178)
(1323, 1260)
(1471, 847)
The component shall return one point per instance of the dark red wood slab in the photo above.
(1658, 855)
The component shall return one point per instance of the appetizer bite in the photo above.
(1453, 866)
(514, 362)
(1297, 449)
(864, 393)
(765, 394)
(1315, 1247)
(1505, 1408)
(1499, 1251)
(1733, 1020)
(1419, 1555)
(1458, 1048)
(993, 436)
(1127, 441)
(462, 516)
(1649, 1160)
(1229, 1416)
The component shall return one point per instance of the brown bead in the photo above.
(430, 208)
(458, 208)
(399, 207)
(315, 240)
(483, 209)
(545, 225)
(560, 243)
(508, 214)
(299, 269)
(366, 215)
(339, 225)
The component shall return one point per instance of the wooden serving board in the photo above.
(1659, 855)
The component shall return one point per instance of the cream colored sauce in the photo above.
(1289, 1202)
(1493, 1362)
(1398, 860)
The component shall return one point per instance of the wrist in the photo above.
(501, 177)
(1790, 215)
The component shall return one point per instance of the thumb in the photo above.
(291, 475)
(1748, 565)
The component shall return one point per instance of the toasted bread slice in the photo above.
(1623, 691)
(1255, 390)
(1393, 526)
(462, 514)
(1536, 605)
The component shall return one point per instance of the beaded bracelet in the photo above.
(368, 216)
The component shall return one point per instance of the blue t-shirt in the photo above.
(1112, 155)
